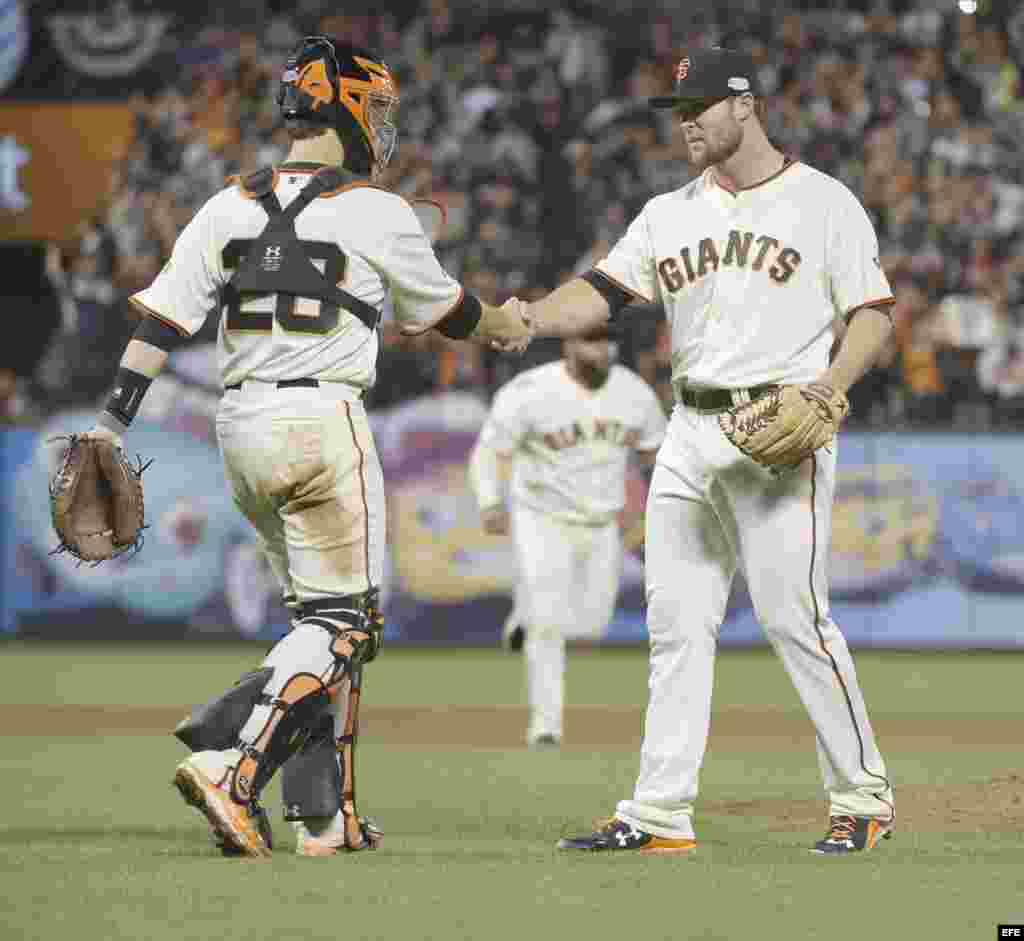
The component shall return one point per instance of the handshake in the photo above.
(508, 328)
(574, 309)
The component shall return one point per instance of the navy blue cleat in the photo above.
(849, 834)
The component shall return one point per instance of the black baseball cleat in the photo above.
(849, 834)
(512, 635)
(615, 834)
(545, 741)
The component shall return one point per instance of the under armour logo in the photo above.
(271, 258)
(624, 836)
(12, 158)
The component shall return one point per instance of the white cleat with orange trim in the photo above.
(233, 823)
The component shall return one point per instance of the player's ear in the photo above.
(744, 106)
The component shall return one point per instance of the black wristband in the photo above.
(158, 333)
(124, 401)
(462, 321)
(616, 297)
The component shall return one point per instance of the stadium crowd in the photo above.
(529, 124)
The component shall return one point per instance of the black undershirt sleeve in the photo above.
(462, 321)
(616, 297)
(159, 334)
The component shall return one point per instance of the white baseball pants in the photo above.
(568, 583)
(304, 471)
(710, 510)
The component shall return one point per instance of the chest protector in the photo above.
(277, 263)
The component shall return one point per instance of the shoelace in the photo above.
(842, 828)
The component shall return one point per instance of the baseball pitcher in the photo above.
(754, 260)
(563, 433)
(297, 260)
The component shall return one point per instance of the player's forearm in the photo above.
(144, 358)
(866, 337)
(140, 364)
(571, 309)
(485, 476)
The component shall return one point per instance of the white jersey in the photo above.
(570, 444)
(365, 239)
(752, 282)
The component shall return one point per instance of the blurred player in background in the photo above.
(297, 261)
(563, 432)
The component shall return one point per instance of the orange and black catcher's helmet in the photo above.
(336, 84)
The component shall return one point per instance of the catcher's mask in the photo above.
(338, 85)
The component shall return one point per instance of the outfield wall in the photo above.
(927, 550)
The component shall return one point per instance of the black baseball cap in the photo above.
(710, 73)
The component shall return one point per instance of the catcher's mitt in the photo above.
(96, 500)
(787, 424)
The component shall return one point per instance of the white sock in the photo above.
(215, 764)
(320, 828)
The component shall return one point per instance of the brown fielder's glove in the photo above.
(96, 500)
(787, 424)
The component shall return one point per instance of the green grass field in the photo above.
(95, 844)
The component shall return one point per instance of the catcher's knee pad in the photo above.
(217, 725)
(351, 613)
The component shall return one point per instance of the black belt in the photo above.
(285, 384)
(714, 400)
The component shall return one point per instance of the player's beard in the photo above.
(592, 375)
(726, 143)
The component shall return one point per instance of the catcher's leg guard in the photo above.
(310, 664)
(311, 780)
(360, 833)
(216, 725)
(318, 784)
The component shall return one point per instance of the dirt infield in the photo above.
(503, 726)
(996, 803)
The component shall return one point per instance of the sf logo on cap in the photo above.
(683, 69)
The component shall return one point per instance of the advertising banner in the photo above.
(55, 163)
(927, 548)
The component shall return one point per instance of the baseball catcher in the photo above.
(296, 261)
(786, 424)
(96, 498)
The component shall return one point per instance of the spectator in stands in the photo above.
(530, 122)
